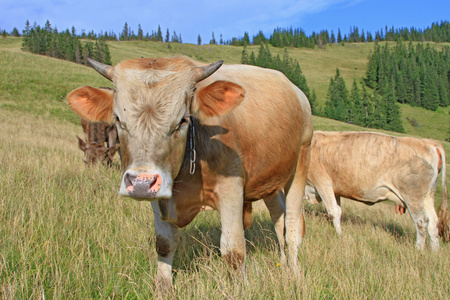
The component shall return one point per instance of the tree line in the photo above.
(290, 37)
(283, 37)
(63, 45)
(416, 75)
(420, 75)
(361, 106)
(287, 65)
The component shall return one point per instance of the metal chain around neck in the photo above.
(192, 152)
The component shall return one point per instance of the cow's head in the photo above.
(151, 105)
(94, 152)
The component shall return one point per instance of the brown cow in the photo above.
(372, 167)
(96, 135)
(196, 137)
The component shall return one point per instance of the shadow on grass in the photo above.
(395, 229)
(200, 241)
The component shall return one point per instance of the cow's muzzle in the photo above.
(142, 185)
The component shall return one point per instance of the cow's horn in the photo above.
(101, 68)
(206, 71)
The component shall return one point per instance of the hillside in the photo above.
(318, 65)
(66, 233)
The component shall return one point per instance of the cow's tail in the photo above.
(443, 225)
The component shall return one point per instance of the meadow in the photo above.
(65, 232)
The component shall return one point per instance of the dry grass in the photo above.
(67, 234)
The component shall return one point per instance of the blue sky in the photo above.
(230, 18)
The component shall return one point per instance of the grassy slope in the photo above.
(67, 234)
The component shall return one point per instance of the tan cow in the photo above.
(196, 137)
(372, 167)
(96, 134)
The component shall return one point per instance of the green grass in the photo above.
(65, 232)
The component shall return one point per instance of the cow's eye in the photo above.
(117, 122)
(184, 122)
(115, 119)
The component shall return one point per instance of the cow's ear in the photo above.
(81, 144)
(92, 104)
(219, 98)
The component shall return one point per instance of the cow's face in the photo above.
(151, 106)
(94, 152)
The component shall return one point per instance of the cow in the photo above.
(198, 136)
(96, 134)
(372, 167)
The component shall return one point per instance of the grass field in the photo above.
(65, 233)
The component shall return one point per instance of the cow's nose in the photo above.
(142, 185)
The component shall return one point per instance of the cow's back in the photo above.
(366, 166)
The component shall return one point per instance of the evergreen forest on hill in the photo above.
(415, 74)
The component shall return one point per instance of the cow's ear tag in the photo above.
(219, 98)
(91, 103)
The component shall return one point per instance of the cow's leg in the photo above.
(276, 206)
(420, 221)
(166, 244)
(247, 217)
(417, 213)
(294, 219)
(337, 216)
(425, 219)
(232, 241)
(332, 204)
(430, 214)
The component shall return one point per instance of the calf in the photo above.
(96, 135)
(372, 167)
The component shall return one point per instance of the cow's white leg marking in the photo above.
(421, 223)
(166, 244)
(294, 219)
(332, 204)
(425, 219)
(430, 214)
(232, 241)
(277, 209)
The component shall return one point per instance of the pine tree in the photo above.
(252, 59)
(378, 117)
(372, 71)
(140, 35)
(393, 115)
(213, 40)
(313, 102)
(167, 36)
(124, 36)
(69, 50)
(244, 57)
(159, 36)
(77, 51)
(366, 103)
(87, 51)
(338, 106)
(358, 112)
(430, 92)
(15, 32)
(333, 38)
(54, 49)
(246, 39)
(400, 88)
